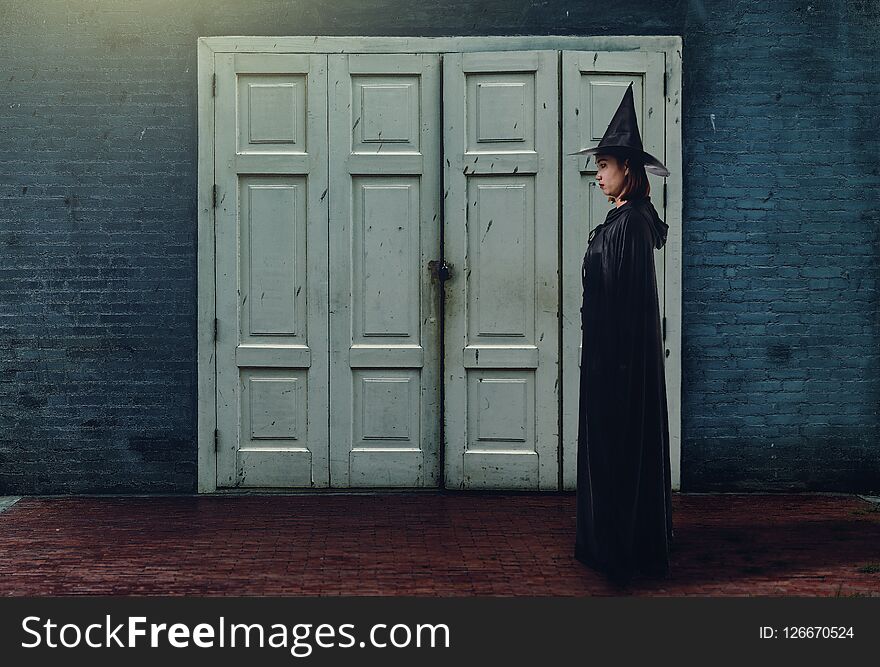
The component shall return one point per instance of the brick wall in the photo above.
(781, 340)
(98, 150)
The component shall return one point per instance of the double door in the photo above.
(390, 231)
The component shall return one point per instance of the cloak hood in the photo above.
(644, 208)
(658, 227)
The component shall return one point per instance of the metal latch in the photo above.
(440, 270)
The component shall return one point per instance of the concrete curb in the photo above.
(8, 501)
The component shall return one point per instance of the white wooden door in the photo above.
(593, 83)
(501, 144)
(384, 231)
(329, 210)
(271, 265)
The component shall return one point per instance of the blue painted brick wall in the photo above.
(781, 316)
(98, 160)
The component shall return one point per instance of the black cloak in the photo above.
(624, 492)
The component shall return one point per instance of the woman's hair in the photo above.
(635, 183)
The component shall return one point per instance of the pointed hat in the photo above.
(622, 137)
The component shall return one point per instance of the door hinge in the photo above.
(216, 439)
(664, 84)
(216, 324)
(213, 85)
(664, 327)
(214, 196)
(664, 194)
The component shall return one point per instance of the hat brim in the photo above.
(652, 164)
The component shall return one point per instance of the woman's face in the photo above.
(610, 173)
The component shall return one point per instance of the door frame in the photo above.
(207, 47)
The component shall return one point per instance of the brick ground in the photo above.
(435, 544)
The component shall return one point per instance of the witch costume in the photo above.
(624, 493)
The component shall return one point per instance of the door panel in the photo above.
(384, 230)
(272, 352)
(593, 83)
(501, 308)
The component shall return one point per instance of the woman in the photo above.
(624, 493)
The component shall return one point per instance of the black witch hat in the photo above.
(622, 137)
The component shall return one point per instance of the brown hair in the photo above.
(635, 183)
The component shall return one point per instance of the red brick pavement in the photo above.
(424, 544)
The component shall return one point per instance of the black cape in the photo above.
(624, 492)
